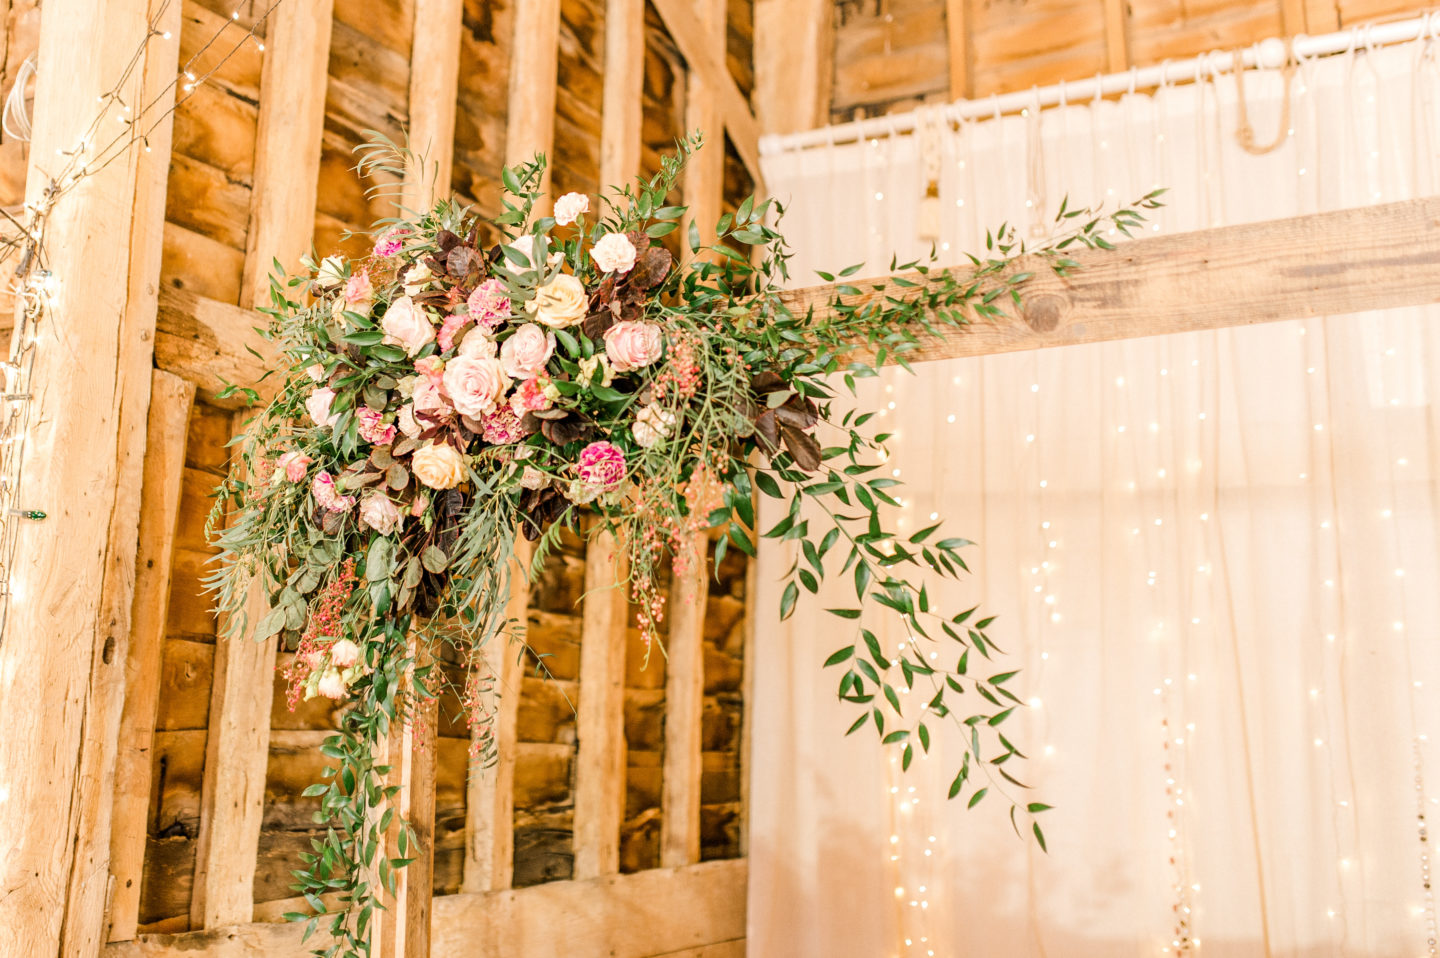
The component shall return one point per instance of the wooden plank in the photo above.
(84, 453)
(490, 793)
(624, 92)
(1321, 16)
(957, 25)
(704, 184)
(534, 66)
(600, 728)
(170, 401)
(735, 948)
(208, 343)
(1117, 52)
(794, 64)
(1292, 16)
(1325, 264)
(434, 80)
(684, 705)
(654, 912)
(287, 143)
(705, 60)
(237, 743)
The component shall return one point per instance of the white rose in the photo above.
(332, 272)
(477, 345)
(332, 685)
(438, 465)
(569, 207)
(526, 352)
(344, 653)
(559, 303)
(525, 246)
(407, 326)
(614, 253)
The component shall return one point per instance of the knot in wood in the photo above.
(1042, 311)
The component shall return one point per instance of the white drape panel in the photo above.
(1216, 556)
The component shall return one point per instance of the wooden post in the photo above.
(794, 63)
(704, 184)
(957, 34)
(490, 793)
(170, 401)
(72, 576)
(600, 726)
(684, 706)
(623, 93)
(287, 143)
(1117, 52)
(434, 77)
(534, 69)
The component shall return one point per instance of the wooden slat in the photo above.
(73, 576)
(434, 77)
(170, 402)
(534, 65)
(287, 143)
(600, 728)
(684, 706)
(1292, 16)
(704, 184)
(709, 63)
(1326, 264)
(656, 912)
(490, 793)
(1117, 50)
(957, 26)
(747, 701)
(208, 343)
(794, 64)
(623, 92)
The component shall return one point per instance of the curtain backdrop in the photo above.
(1216, 556)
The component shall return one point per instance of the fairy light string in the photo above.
(36, 288)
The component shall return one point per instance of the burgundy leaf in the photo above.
(802, 446)
(650, 269)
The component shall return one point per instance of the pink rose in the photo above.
(477, 345)
(570, 206)
(322, 487)
(428, 400)
(391, 242)
(359, 291)
(475, 384)
(526, 352)
(488, 304)
(530, 395)
(614, 253)
(601, 464)
(318, 406)
(313, 659)
(331, 685)
(379, 513)
(344, 654)
(501, 427)
(372, 427)
(633, 345)
(407, 326)
(293, 464)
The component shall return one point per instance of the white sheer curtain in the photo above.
(1216, 556)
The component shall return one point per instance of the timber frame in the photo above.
(79, 763)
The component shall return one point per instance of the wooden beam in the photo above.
(1325, 264)
(237, 743)
(287, 143)
(600, 725)
(83, 465)
(703, 60)
(704, 183)
(170, 401)
(684, 705)
(209, 343)
(534, 71)
(1292, 16)
(655, 912)
(490, 793)
(1321, 16)
(957, 35)
(794, 64)
(1117, 50)
(434, 78)
(623, 94)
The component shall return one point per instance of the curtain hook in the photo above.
(1064, 100)
(1164, 73)
(1134, 70)
(1099, 88)
(1369, 38)
(995, 105)
(1354, 40)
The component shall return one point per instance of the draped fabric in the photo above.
(1216, 557)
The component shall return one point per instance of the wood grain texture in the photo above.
(624, 92)
(684, 705)
(1117, 46)
(167, 431)
(205, 341)
(600, 763)
(534, 62)
(490, 795)
(794, 63)
(704, 182)
(287, 143)
(1326, 264)
(434, 80)
(654, 913)
(957, 42)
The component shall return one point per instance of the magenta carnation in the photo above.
(601, 464)
(391, 242)
(323, 488)
(489, 306)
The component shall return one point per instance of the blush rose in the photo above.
(526, 352)
(633, 345)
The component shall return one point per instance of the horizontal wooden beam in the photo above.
(205, 341)
(1326, 264)
(656, 912)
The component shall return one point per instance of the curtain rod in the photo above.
(1268, 54)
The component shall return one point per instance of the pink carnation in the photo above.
(448, 329)
(323, 488)
(489, 306)
(390, 242)
(359, 290)
(530, 396)
(344, 653)
(501, 427)
(601, 464)
(372, 427)
(293, 464)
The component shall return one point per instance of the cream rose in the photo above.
(569, 207)
(632, 345)
(416, 278)
(559, 303)
(438, 465)
(614, 253)
(331, 272)
(407, 326)
(477, 345)
(379, 513)
(474, 384)
(526, 352)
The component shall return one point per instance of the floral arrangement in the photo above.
(469, 381)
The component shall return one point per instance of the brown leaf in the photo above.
(639, 240)
(562, 432)
(802, 446)
(797, 412)
(650, 270)
(596, 323)
(768, 429)
(446, 240)
(463, 261)
(767, 381)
